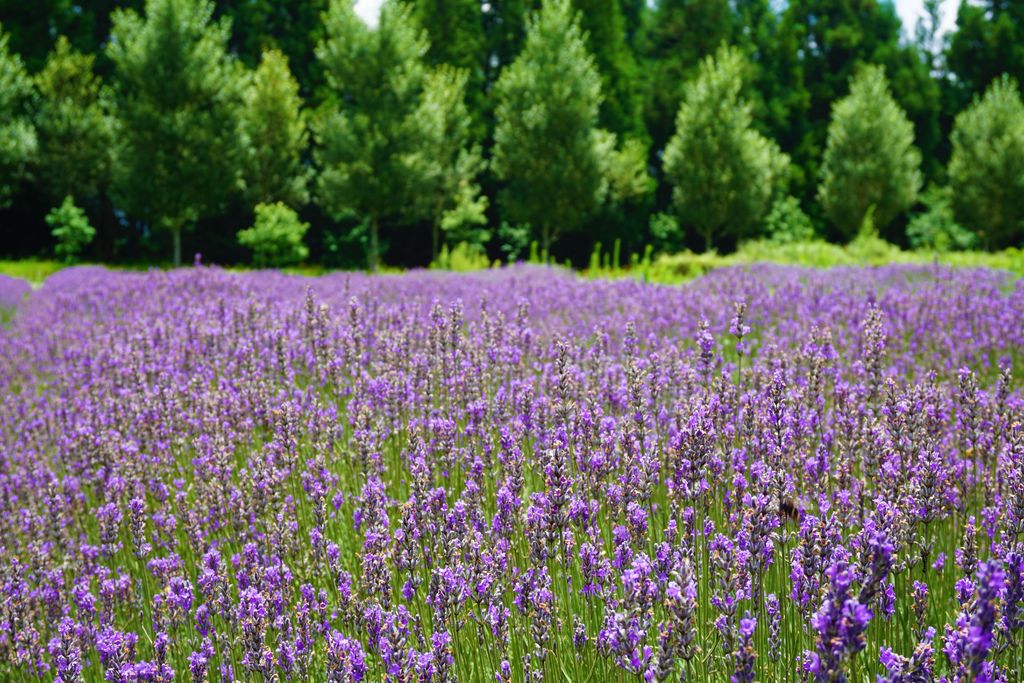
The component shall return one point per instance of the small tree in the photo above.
(178, 98)
(71, 229)
(723, 172)
(986, 169)
(276, 237)
(546, 145)
(870, 159)
(375, 148)
(275, 135)
(449, 196)
(17, 136)
(74, 124)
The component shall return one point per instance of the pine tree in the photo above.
(448, 195)
(178, 98)
(75, 126)
(455, 29)
(17, 136)
(723, 172)
(986, 170)
(605, 27)
(988, 42)
(546, 143)
(275, 135)
(678, 36)
(870, 162)
(384, 138)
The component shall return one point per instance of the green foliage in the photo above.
(722, 171)
(455, 29)
(377, 137)
(276, 237)
(870, 160)
(462, 258)
(677, 37)
(604, 26)
(986, 170)
(275, 135)
(75, 126)
(787, 223)
(936, 228)
(546, 144)
(178, 95)
(447, 163)
(665, 232)
(988, 43)
(17, 136)
(71, 229)
(830, 40)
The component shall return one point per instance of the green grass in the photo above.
(32, 270)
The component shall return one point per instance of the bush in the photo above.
(787, 223)
(462, 258)
(936, 228)
(276, 237)
(71, 229)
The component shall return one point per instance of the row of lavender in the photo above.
(770, 474)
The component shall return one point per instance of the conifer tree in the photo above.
(870, 161)
(178, 97)
(723, 172)
(17, 136)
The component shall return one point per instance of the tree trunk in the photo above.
(707, 241)
(433, 242)
(373, 248)
(545, 243)
(176, 232)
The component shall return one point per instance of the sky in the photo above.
(909, 11)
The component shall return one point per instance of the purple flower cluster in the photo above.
(515, 475)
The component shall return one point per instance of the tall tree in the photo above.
(291, 26)
(607, 41)
(679, 34)
(448, 195)
(377, 140)
(723, 172)
(275, 135)
(17, 136)
(455, 29)
(986, 170)
(988, 42)
(870, 162)
(504, 29)
(75, 125)
(836, 37)
(178, 99)
(555, 163)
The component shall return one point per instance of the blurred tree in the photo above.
(546, 148)
(835, 38)
(291, 26)
(622, 104)
(275, 135)
(71, 230)
(678, 35)
(17, 136)
(986, 170)
(36, 24)
(870, 162)
(455, 29)
(504, 30)
(74, 124)
(988, 42)
(276, 237)
(448, 194)
(723, 172)
(178, 97)
(389, 134)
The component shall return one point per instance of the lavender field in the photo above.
(769, 474)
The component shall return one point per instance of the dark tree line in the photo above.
(169, 126)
